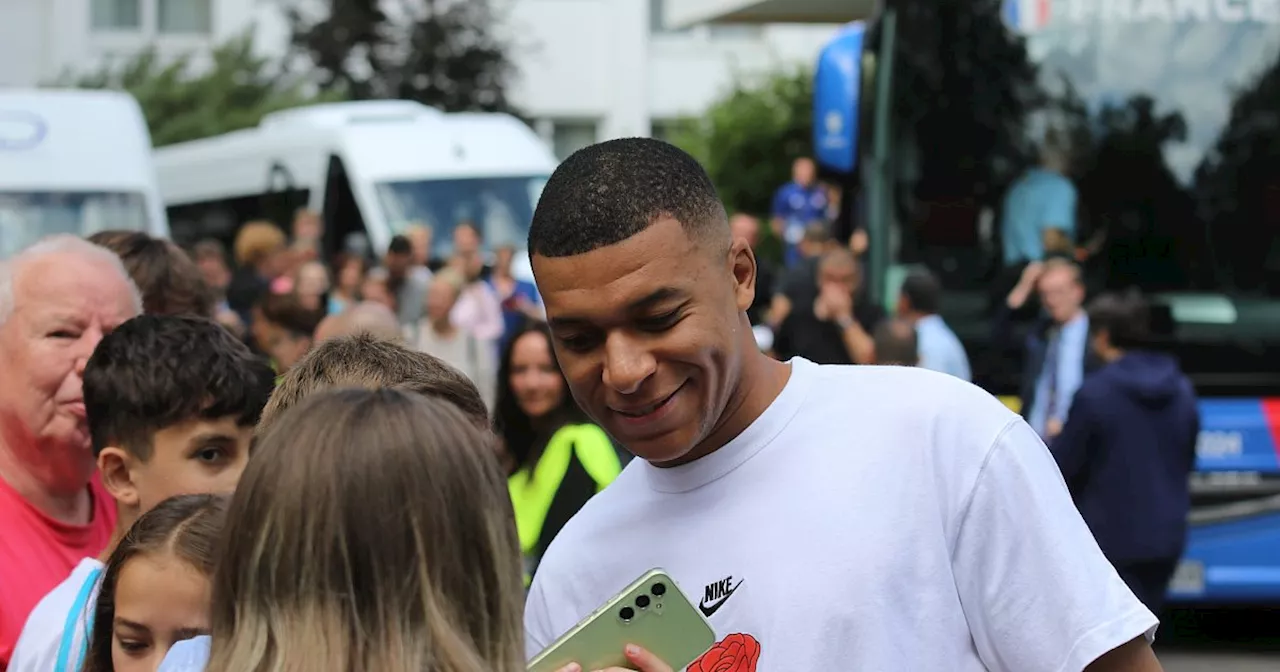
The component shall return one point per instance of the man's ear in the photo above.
(116, 466)
(742, 261)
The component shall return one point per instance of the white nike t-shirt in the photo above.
(45, 631)
(874, 519)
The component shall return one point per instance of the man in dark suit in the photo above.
(1057, 347)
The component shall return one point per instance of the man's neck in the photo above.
(761, 381)
(1110, 354)
(74, 507)
(1072, 318)
(913, 317)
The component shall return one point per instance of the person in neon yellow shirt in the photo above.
(557, 459)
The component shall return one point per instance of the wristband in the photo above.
(845, 322)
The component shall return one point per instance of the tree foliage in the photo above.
(748, 138)
(963, 87)
(443, 53)
(1238, 186)
(182, 102)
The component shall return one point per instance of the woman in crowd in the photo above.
(519, 298)
(261, 257)
(349, 271)
(370, 532)
(311, 286)
(170, 282)
(210, 257)
(376, 287)
(155, 588)
(436, 334)
(557, 459)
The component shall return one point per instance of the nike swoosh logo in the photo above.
(709, 609)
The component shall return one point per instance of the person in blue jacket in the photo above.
(1128, 447)
(796, 205)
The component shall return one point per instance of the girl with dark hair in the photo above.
(155, 588)
(556, 457)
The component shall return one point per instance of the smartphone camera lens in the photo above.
(659, 589)
(627, 613)
(642, 601)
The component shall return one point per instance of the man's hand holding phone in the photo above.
(642, 660)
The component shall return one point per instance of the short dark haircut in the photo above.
(1126, 317)
(365, 361)
(155, 371)
(168, 279)
(896, 343)
(611, 191)
(286, 312)
(400, 245)
(923, 291)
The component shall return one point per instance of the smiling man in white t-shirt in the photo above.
(824, 517)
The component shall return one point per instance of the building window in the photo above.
(115, 14)
(570, 136)
(184, 16)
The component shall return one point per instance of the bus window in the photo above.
(1163, 153)
(1167, 154)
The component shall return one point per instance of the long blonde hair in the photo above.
(371, 531)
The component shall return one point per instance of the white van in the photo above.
(74, 162)
(370, 168)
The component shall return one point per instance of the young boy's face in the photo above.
(197, 456)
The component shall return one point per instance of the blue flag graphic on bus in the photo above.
(836, 85)
(1026, 16)
(1239, 435)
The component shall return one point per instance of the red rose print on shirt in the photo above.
(735, 653)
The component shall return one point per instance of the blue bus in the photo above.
(1170, 114)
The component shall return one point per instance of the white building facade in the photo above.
(589, 70)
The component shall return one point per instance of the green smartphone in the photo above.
(651, 612)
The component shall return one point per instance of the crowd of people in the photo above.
(1096, 384)
(405, 467)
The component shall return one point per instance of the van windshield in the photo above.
(26, 217)
(500, 207)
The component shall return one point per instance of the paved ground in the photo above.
(1220, 641)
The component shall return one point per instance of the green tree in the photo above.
(182, 102)
(443, 53)
(962, 83)
(748, 138)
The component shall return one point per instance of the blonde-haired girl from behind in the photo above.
(372, 532)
